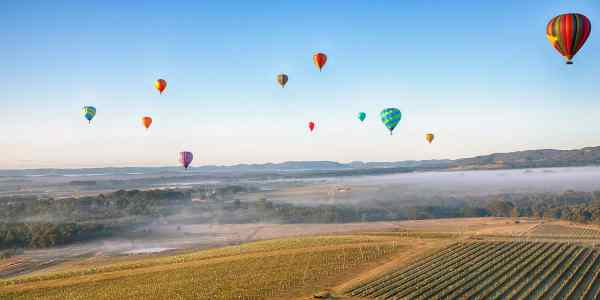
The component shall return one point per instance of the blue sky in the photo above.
(481, 76)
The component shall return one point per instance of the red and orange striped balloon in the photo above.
(568, 33)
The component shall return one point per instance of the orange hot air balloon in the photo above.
(320, 59)
(147, 121)
(160, 85)
(311, 126)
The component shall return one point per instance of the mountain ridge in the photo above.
(501, 160)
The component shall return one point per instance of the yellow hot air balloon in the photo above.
(429, 137)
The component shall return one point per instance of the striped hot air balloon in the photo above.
(185, 158)
(567, 33)
(89, 112)
(390, 118)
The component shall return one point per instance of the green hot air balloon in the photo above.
(362, 116)
(390, 118)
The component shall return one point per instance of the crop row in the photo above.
(494, 270)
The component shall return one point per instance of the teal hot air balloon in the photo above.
(362, 116)
(390, 118)
(88, 113)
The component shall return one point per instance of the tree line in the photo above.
(31, 222)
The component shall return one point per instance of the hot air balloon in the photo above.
(89, 112)
(320, 59)
(185, 158)
(146, 121)
(362, 116)
(311, 126)
(429, 137)
(567, 33)
(160, 85)
(390, 118)
(282, 79)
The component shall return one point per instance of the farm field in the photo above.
(288, 268)
(206, 236)
(483, 258)
(562, 230)
(494, 270)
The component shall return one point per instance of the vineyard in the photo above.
(552, 230)
(275, 268)
(494, 270)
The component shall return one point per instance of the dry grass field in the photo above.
(274, 268)
(482, 258)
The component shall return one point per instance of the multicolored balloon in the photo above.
(160, 85)
(320, 59)
(185, 158)
(146, 121)
(390, 118)
(362, 116)
(311, 126)
(89, 112)
(429, 137)
(567, 33)
(282, 79)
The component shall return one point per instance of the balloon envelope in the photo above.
(89, 112)
(429, 137)
(568, 33)
(362, 116)
(185, 158)
(282, 79)
(147, 121)
(320, 59)
(160, 85)
(390, 118)
(311, 126)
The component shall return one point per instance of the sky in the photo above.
(480, 75)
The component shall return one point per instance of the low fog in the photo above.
(232, 218)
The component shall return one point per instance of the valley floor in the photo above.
(469, 258)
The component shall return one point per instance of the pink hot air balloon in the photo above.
(185, 158)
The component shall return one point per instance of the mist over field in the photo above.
(432, 187)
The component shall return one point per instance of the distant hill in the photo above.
(520, 159)
(531, 159)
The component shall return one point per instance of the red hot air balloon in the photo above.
(160, 85)
(567, 33)
(185, 158)
(320, 59)
(311, 126)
